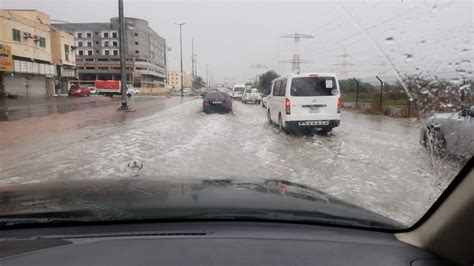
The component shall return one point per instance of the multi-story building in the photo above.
(27, 35)
(174, 79)
(98, 53)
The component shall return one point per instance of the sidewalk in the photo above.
(20, 108)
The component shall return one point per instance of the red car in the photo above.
(75, 90)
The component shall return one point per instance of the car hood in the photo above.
(202, 199)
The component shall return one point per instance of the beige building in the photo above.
(174, 79)
(64, 57)
(29, 35)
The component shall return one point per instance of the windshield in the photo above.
(368, 117)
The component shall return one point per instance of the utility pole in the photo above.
(123, 69)
(357, 92)
(296, 61)
(381, 91)
(207, 76)
(181, 54)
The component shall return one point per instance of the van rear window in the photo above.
(313, 86)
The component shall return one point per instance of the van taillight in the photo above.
(288, 106)
(339, 103)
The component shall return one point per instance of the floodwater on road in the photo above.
(371, 161)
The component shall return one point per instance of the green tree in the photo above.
(198, 83)
(265, 81)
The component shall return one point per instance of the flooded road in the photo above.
(371, 161)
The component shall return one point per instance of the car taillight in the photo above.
(339, 103)
(288, 106)
(205, 101)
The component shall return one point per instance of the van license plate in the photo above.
(314, 110)
(314, 123)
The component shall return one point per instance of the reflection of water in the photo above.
(11, 114)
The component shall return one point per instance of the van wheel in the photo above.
(281, 127)
(269, 117)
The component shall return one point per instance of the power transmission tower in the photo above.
(258, 67)
(296, 61)
(344, 65)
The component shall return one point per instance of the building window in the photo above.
(136, 34)
(89, 52)
(137, 52)
(115, 43)
(80, 52)
(106, 44)
(116, 52)
(106, 35)
(79, 35)
(89, 35)
(114, 34)
(96, 51)
(97, 43)
(106, 52)
(42, 42)
(79, 44)
(136, 43)
(16, 35)
(89, 44)
(96, 33)
(66, 49)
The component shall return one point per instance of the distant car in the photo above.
(216, 101)
(449, 133)
(251, 95)
(230, 92)
(264, 101)
(188, 92)
(75, 90)
(131, 90)
(93, 90)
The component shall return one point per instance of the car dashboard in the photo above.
(207, 243)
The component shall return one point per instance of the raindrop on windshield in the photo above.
(423, 42)
(389, 40)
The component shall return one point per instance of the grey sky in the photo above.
(231, 36)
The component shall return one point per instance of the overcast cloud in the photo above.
(428, 37)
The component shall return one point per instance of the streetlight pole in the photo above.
(192, 63)
(181, 54)
(123, 70)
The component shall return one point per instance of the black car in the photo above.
(216, 101)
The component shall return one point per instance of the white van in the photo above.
(305, 101)
(238, 91)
